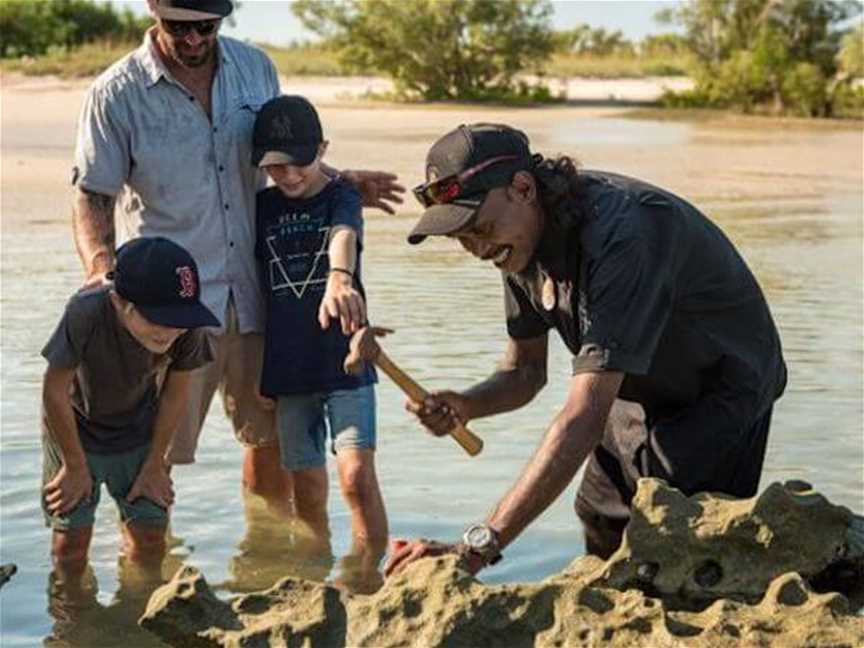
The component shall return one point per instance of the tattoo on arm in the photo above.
(93, 225)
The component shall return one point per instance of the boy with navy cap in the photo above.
(118, 369)
(309, 241)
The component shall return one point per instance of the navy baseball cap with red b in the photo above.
(161, 279)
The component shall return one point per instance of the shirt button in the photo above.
(221, 168)
(191, 98)
(226, 206)
(215, 130)
(230, 243)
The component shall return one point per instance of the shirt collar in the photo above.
(554, 251)
(150, 60)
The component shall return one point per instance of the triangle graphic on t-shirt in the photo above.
(297, 287)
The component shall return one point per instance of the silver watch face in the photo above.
(478, 536)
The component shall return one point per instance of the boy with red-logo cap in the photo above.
(117, 378)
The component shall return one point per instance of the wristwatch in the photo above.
(482, 540)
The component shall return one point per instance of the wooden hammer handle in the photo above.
(470, 442)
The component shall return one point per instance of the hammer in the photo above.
(364, 347)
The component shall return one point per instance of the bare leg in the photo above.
(144, 544)
(358, 570)
(360, 490)
(69, 553)
(264, 476)
(72, 587)
(310, 500)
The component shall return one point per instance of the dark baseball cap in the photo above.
(192, 9)
(161, 279)
(463, 149)
(287, 131)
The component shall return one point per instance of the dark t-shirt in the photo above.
(650, 287)
(291, 245)
(115, 390)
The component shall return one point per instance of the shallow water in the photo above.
(790, 198)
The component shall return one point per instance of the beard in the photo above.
(202, 56)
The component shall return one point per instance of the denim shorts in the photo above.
(118, 472)
(304, 420)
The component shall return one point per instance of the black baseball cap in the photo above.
(287, 131)
(458, 151)
(161, 279)
(192, 9)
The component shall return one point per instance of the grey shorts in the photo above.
(304, 421)
(118, 472)
(234, 371)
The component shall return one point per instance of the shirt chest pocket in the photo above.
(239, 120)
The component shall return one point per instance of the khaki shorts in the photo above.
(235, 372)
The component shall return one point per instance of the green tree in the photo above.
(663, 45)
(851, 57)
(777, 55)
(583, 39)
(32, 27)
(437, 49)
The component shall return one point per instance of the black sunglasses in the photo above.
(181, 28)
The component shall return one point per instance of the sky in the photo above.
(271, 21)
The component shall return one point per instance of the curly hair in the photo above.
(558, 188)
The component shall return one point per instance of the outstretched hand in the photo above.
(403, 552)
(377, 188)
(342, 302)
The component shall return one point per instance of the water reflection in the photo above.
(276, 547)
(81, 621)
(790, 200)
(273, 547)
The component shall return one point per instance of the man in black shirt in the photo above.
(653, 301)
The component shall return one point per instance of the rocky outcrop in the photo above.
(712, 546)
(701, 571)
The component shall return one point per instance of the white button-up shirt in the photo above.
(183, 176)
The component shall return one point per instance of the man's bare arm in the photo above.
(572, 436)
(517, 380)
(93, 227)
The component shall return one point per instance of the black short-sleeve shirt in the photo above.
(647, 285)
(115, 390)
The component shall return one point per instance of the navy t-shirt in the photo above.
(292, 237)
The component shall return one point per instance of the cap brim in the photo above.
(300, 155)
(440, 220)
(186, 15)
(186, 316)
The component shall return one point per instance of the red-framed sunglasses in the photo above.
(446, 190)
(181, 28)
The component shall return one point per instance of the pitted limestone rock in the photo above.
(591, 603)
(712, 546)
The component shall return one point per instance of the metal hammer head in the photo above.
(363, 348)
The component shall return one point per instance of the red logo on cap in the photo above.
(187, 281)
